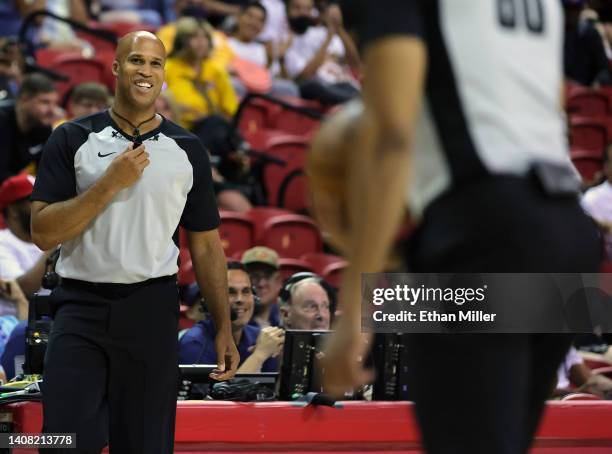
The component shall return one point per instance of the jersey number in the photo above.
(532, 9)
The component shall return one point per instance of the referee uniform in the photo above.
(495, 191)
(111, 364)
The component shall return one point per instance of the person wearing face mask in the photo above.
(20, 259)
(320, 58)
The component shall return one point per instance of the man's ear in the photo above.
(115, 68)
(284, 312)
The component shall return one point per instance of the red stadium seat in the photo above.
(588, 102)
(99, 44)
(291, 149)
(79, 70)
(289, 234)
(293, 192)
(237, 232)
(290, 266)
(293, 122)
(590, 133)
(328, 266)
(588, 163)
(256, 115)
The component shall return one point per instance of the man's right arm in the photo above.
(54, 223)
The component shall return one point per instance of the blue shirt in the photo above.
(15, 346)
(197, 346)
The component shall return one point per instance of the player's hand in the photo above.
(269, 342)
(344, 354)
(127, 168)
(227, 356)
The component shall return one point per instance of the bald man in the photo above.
(112, 189)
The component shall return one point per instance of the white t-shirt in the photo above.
(563, 373)
(276, 26)
(304, 47)
(254, 52)
(597, 202)
(16, 258)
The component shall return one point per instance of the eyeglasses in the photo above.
(261, 275)
(235, 293)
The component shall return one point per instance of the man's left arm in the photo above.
(211, 273)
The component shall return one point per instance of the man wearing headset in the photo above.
(258, 347)
(306, 302)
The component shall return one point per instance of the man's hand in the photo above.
(227, 356)
(269, 342)
(10, 290)
(127, 168)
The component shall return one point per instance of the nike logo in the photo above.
(100, 155)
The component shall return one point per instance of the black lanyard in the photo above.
(136, 134)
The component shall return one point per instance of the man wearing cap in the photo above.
(20, 259)
(262, 264)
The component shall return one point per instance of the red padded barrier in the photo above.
(568, 427)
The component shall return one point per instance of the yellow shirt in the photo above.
(218, 97)
(222, 52)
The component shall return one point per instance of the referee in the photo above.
(462, 123)
(112, 189)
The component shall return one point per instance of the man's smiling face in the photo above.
(139, 68)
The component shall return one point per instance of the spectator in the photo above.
(26, 125)
(131, 11)
(597, 202)
(12, 329)
(11, 69)
(20, 259)
(276, 26)
(262, 264)
(320, 58)
(306, 303)
(585, 57)
(258, 348)
(85, 99)
(250, 24)
(573, 371)
(201, 86)
(13, 355)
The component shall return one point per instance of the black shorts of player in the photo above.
(111, 371)
(484, 393)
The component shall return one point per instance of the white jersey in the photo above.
(493, 86)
